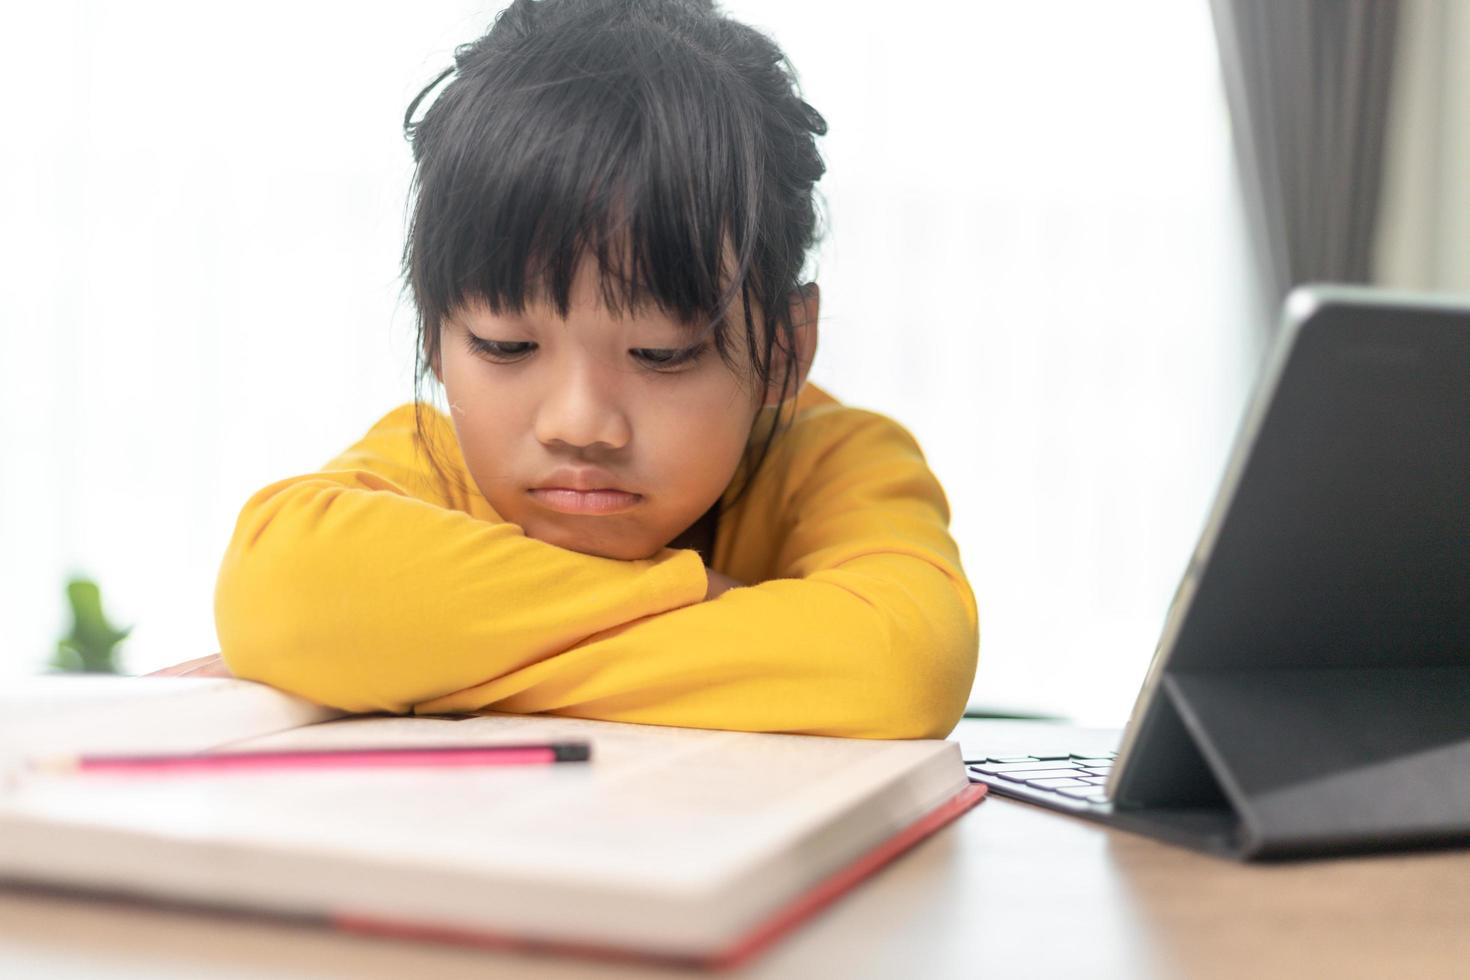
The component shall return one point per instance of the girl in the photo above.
(635, 508)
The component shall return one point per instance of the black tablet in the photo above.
(1310, 692)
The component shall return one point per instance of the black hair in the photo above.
(666, 138)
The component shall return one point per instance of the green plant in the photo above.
(90, 647)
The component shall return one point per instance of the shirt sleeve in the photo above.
(358, 590)
(871, 629)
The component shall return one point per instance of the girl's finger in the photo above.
(189, 667)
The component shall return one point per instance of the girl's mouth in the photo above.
(567, 501)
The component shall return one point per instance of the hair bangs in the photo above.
(562, 164)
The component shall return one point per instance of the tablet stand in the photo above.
(1311, 760)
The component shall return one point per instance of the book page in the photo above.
(668, 837)
(647, 791)
(109, 713)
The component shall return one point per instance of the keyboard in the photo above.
(1071, 780)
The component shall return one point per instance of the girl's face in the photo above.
(608, 436)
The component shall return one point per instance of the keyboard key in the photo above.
(1095, 756)
(1097, 770)
(1054, 757)
(997, 769)
(1089, 763)
(989, 770)
(1011, 758)
(1094, 780)
(1030, 774)
(1060, 784)
(1088, 793)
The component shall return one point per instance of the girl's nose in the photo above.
(582, 411)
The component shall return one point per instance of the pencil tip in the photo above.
(53, 764)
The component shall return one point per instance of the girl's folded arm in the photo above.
(872, 631)
(341, 587)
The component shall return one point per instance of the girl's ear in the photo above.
(805, 307)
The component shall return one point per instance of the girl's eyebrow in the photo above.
(466, 316)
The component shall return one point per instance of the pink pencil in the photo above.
(397, 756)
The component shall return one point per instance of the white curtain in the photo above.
(1035, 263)
(1424, 227)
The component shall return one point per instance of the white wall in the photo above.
(1034, 263)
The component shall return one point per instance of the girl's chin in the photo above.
(603, 548)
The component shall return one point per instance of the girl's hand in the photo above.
(719, 583)
(210, 666)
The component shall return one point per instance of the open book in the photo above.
(685, 845)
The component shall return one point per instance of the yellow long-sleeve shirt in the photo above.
(369, 586)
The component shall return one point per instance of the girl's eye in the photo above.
(666, 359)
(660, 359)
(497, 350)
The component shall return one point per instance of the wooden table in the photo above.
(1011, 890)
